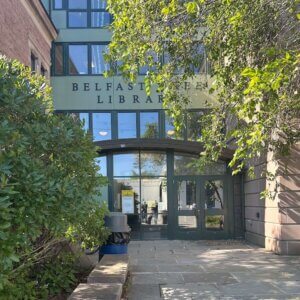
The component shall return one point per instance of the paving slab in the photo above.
(144, 291)
(222, 270)
(188, 291)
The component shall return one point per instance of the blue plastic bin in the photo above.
(114, 249)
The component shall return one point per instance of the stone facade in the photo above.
(274, 222)
(26, 29)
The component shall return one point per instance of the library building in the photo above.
(148, 164)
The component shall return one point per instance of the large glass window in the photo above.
(188, 165)
(77, 19)
(149, 125)
(101, 126)
(78, 59)
(77, 4)
(88, 14)
(126, 164)
(153, 164)
(99, 66)
(154, 201)
(126, 125)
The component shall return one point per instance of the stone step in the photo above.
(97, 291)
(111, 269)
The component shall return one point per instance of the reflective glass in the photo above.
(99, 66)
(101, 161)
(214, 222)
(214, 205)
(77, 4)
(59, 60)
(149, 125)
(100, 19)
(77, 19)
(154, 201)
(188, 165)
(101, 126)
(185, 165)
(126, 125)
(171, 132)
(99, 4)
(194, 125)
(78, 59)
(127, 195)
(186, 195)
(58, 4)
(187, 222)
(85, 118)
(214, 194)
(126, 164)
(153, 164)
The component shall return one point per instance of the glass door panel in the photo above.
(214, 205)
(188, 205)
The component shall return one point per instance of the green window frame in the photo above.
(90, 12)
(66, 61)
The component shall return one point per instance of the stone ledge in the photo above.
(112, 268)
(96, 291)
(105, 281)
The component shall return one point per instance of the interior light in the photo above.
(170, 132)
(103, 133)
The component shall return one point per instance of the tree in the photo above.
(253, 50)
(48, 180)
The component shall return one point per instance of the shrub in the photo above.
(48, 180)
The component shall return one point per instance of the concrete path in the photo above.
(210, 270)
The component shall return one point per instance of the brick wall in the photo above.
(25, 28)
(274, 222)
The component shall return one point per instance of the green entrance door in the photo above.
(201, 207)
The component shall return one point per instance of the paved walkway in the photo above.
(210, 270)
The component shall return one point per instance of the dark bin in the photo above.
(120, 234)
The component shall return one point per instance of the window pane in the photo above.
(154, 201)
(126, 125)
(77, 19)
(214, 222)
(153, 164)
(102, 164)
(100, 19)
(85, 118)
(187, 165)
(101, 126)
(78, 59)
(99, 4)
(149, 125)
(127, 195)
(194, 125)
(99, 66)
(186, 195)
(57, 4)
(58, 60)
(214, 194)
(126, 164)
(77, 4)
(171, 132)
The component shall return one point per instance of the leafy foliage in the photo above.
(48, 179)
(253, 49)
